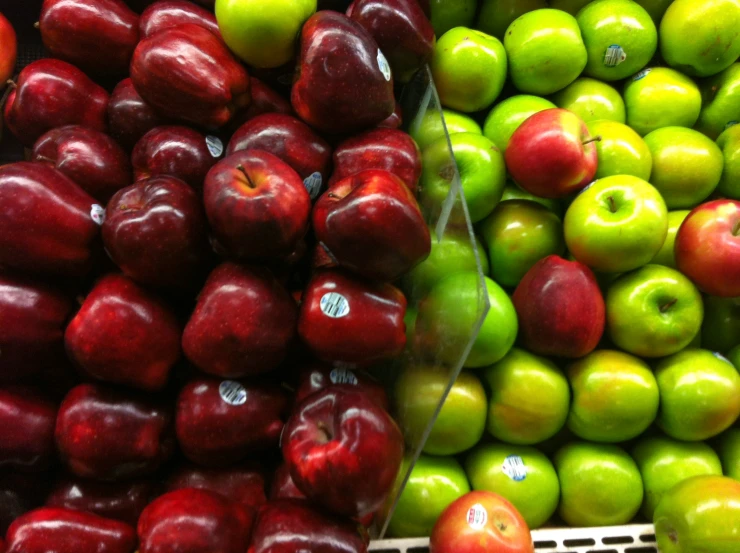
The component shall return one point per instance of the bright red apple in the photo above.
(8, 49)
(243, 484)
(283, 486)
(166, 14)
(26, 430)
(129, 116)
(318, 376)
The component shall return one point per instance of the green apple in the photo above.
(729, 143)
(699, 37)
(433, 484)
(514, 192)
(615, 397)
(529, 398)
(720, 102)
(620, 38)
(507, 115)
(462, 419)
(453, 309)
(447, 14)
(656, 8)
(621, 150)
(248, 26)
(661, 97)
(454, 253)
(546, 51)
(600, 485)
(616, 224)
(666, 256)
(519, 473)
(409, 320)
(570, 6)
(734, 356)
(728, 447)
(469, 69)
(653, 311)
(518, 233)
(721, 328)
(699, 515)
(687, 166)
(699, 394)
(429, 128)
(495, 16)
(482, 175)
(664, 462)
(592, 100)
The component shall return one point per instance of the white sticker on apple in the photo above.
(232, 392)
(514, 468)
(614, 55)
(214, 145)
(97, 213)
(343, 376)
(477, 516)
(313, 184)
(334, 305)
(384, 66)
(641, 75)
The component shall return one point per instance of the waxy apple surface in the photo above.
(592, 100)
(26, 430)
(10, 49)
(244, 484)
(318, 376)
(129, 116)
(264, 100)
(165, 14)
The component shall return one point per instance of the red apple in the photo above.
(20, 492)
(48, 224)
(98, 36)
(257, 205)
(242, 484)
(348, 319)
(109, 434)
(8, 49)
(90, 158)
(343, 450)
(394, 120)
(166, 14)
(264, 100)
(318, 376)
(206, 90)
(371, 224)
(560, 308)
(156, 232)
(123, 334)
(344, 82)
(243, 323)
(283, 486)
(551, 154)
(26, 430)
(52, 93)
(708, 247)
(129, 116)
(481, 522)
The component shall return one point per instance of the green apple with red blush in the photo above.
(592, 100)
(509, 114)
(620, 150)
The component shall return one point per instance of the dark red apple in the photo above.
(26, 430)
(371, 224)
(98, 36)
(283, 486)
(242, 484)
(66, 531)
(123, 334)
(8, 49)
(178, 152)
(194, 521)
(401, 29)
(222, 422)
(20, 492)
(394, 120)
(343, 450)
(129, 116)
(318, 376)
(52, 93)
(290, 525)
(256, 204)
(348, 319)
(90, 158)
(109, 434)
(48, 224)
(206, 90)
(560, 308)
(243, 323)
(156, 232)
(264, 100)
(344, 82)
(166, 14)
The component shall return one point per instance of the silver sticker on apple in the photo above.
(477, 516)
(97, 213)
(384, 66)
(343, 376)
(313, 184)
(232, 392)
(214, 145)
(641, 75)
(614, 55)
(514, 468)
(334, 305)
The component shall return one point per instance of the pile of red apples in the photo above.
(196, 267)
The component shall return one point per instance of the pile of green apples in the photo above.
(600, 439)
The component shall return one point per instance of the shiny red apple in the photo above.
(129, 116)
(318, 376)
(283, 486)
(8, 49)
(26, 429)
(243, 484)
(166, 14)
(264, 100)
(394, 120)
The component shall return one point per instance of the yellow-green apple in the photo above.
(529, 398)
(687, 166)
(617, 224)
(570, 6)
(734, 356)
(661, 97)
(708, 247)
(600, 484)
(546, 51)
(720, 102)
(507, 115)
(446, 14)
(728, 447)
(699, 394)
(665, 462)
(699, 514)
(615, 397)
(653, 311)
(469, 69)
(721, 326)
(666, 255)
(448, 314)
(430, 127)
(551, 154)
(462, 419)
(592, 100)
(433, 484)
(656, 8)
(514, 192)
(521, 474)
(518, 233)
(714, 42)
(620, 150)
(560, 308)
(248, 25)
(482, 175)
(495, 16)
(729, 143)
(620, 38)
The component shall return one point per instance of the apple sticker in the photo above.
(384, 66)
(334, 305)
(97, 213)
(614, 55)
(514, 468)
(214, 145)
(477, 516)
(232, 392)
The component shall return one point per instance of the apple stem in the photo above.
(11, 84)
(666, 306)
(44, 158)
(36, 25)
(243, 170)
(331, 195)
(612, 205)
(736, 230)
(593, 139)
